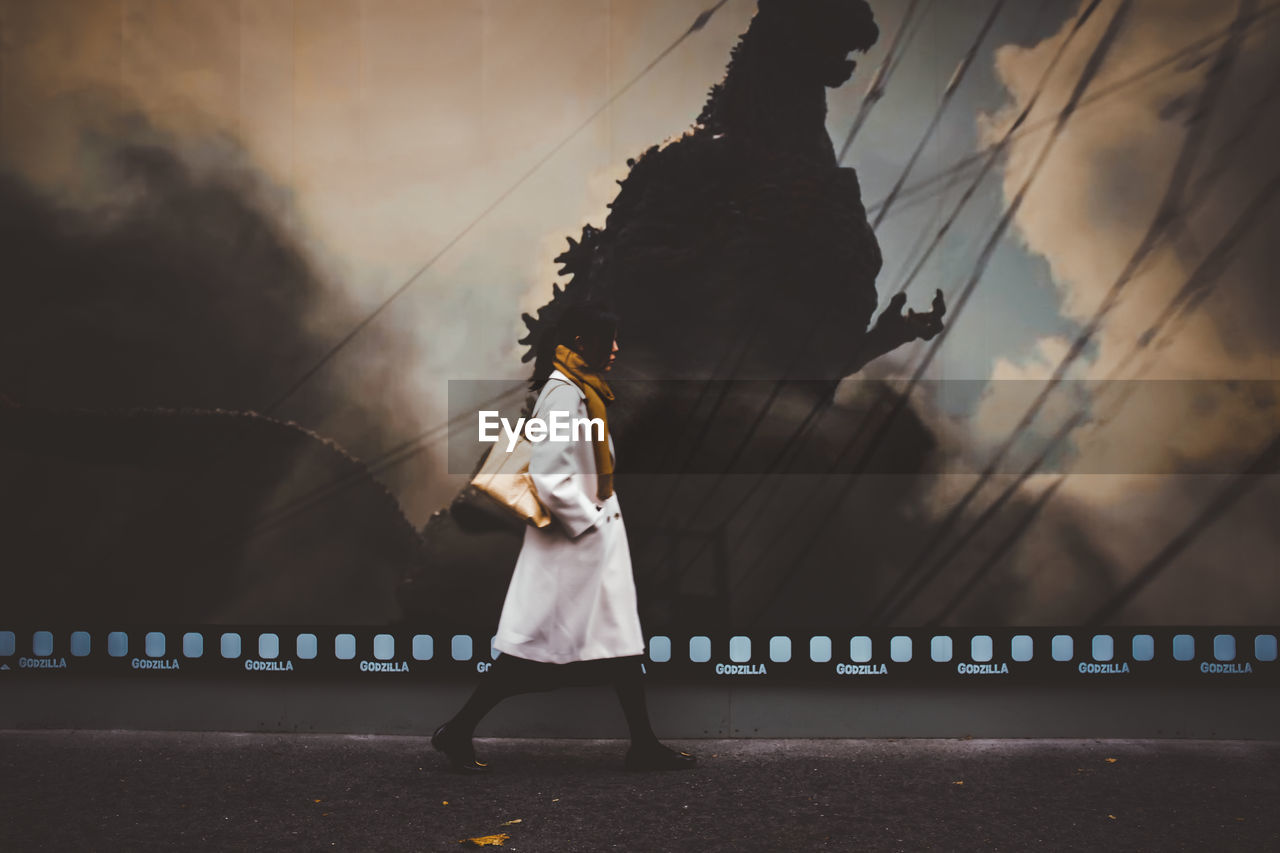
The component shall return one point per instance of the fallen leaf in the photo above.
(445, 803)
(487, 840)
(1113, 817)
(315, 801)
(556, 800)
(1111, 760)
(958, 782)
(512, 822)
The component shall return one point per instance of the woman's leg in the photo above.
(627, 683)
(509, 676)
(646, 752)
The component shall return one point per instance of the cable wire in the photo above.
(397, 455)
(956, 77)
(1164, 218)
(920, 190)
(879, 81)
(1202, 282)
(698, 24)
(1088, 73)
(1265, 463)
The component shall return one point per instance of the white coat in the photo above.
(572, 596)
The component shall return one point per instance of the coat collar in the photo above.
(559, 374)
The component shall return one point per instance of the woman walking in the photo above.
(570, 613)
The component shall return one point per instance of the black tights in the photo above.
(511, 676)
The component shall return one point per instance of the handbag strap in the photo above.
(543, 393)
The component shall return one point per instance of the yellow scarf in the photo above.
(598, 394)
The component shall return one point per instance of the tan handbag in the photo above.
(505, 478)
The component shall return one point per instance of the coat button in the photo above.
(617, 515)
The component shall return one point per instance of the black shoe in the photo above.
(658, 757)
(461, 755)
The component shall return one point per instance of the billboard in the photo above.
(946, 334)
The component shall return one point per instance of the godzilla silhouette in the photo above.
(748, 215)
(739, 251)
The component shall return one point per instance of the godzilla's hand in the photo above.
(892, 328)
(898, 328)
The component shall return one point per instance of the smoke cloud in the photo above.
(1085, 215)
(168, 281)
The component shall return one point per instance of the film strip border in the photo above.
(1225, 655)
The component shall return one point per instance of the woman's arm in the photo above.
(564, 487)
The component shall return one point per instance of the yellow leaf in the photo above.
(1113, 817)
(512, 822)
(960, 782)
(445, 803)
(1111, 760)
(487, 840)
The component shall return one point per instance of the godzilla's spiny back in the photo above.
(770, 108)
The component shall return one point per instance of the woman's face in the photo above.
(580, 349)
(613, 356)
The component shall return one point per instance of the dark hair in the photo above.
(593, 324)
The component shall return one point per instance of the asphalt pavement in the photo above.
(171, 791)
